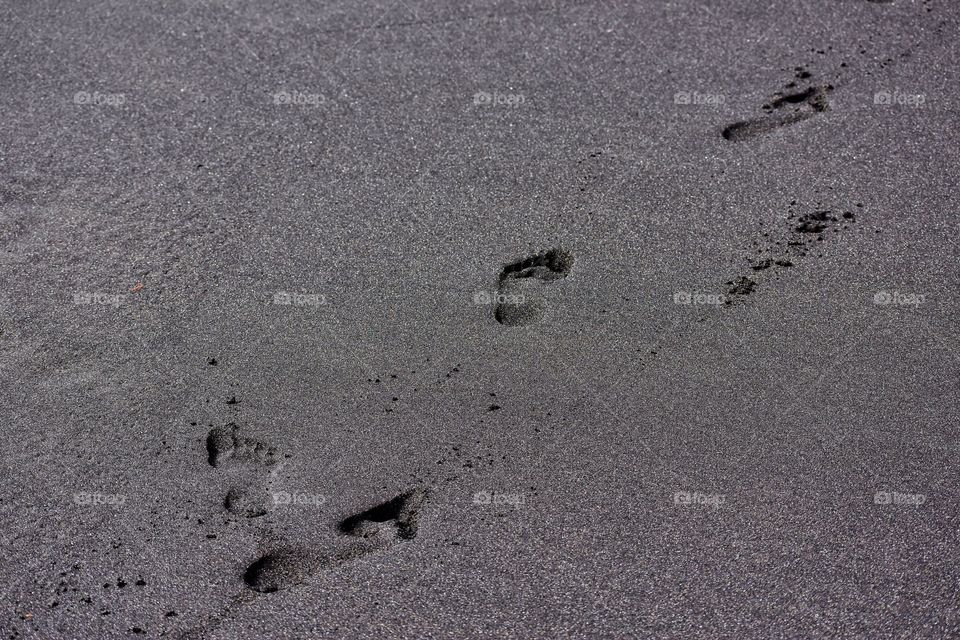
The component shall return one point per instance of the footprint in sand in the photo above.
(518, 302)
(379, 528)
(785, 110)
(227, 447)
(401, 516)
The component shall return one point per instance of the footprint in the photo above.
(402, 513)
(517, 301)
(549, 265)
(281, 569)
(805, 104)
(226, 445)
(289, 566)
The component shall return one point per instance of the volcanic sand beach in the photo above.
(479, 319)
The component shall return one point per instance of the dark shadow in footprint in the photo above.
(226, 444)
(549, 265)
(517, 300)
(815, 97)
(806, 104)
(402, 513)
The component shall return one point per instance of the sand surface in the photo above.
(479, 319)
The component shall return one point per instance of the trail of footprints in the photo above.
(374, 529)
(519, 303)
(381, 526)
(377, 528)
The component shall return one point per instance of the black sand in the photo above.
(262, 377)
